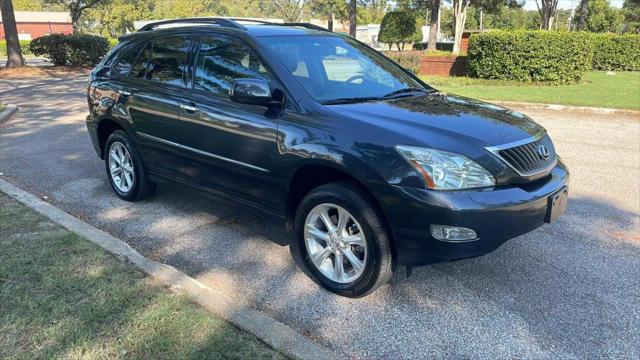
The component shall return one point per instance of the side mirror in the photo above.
(251, 91)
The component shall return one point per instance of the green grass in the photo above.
(2, 107)
(621, 91)
(63, 297)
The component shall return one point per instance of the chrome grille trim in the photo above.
(522, 156)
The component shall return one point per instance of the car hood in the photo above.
(437, 117)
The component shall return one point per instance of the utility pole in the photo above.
(481, 27)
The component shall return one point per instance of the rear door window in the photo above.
(164, 60)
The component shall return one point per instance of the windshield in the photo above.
(332, 68)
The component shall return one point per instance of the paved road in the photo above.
(569, 290)
(29, 62)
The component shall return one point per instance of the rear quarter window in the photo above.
(124, 59)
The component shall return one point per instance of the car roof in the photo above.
(239, 26)
(283, 30)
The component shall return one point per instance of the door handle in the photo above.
(191, 109)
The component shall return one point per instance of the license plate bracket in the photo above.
(557, 205)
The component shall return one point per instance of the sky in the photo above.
(566, 4)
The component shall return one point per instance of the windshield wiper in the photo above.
(404, 91)
(350, 100)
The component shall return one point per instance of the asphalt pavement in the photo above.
(567, 290)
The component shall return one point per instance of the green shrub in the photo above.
(399, 27)
(24, 46)
(74, 50)
(616, 52)
(532, 56)
(407, 59)
(439, 46)
(112, 42)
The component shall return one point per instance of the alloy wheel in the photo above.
(121, 167)
(335, 243)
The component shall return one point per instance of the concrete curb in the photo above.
(580, 109)
(277, 335)
(7, 113)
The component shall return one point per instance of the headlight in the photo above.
(443, 170)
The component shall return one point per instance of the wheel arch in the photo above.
(310, 176)
(106, 127)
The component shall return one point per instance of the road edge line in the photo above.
(7, 113)
(279, 336)
(558, 107)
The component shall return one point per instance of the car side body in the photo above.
(270, 157)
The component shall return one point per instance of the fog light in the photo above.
(452, 233)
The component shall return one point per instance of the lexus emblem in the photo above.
(543, 151)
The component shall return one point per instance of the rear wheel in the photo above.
(126, 173)
(341, 240)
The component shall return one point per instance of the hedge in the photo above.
(75, 50)
(616, 52)
(439, 46)
(530, 56)
(407, 59)
(24, 45)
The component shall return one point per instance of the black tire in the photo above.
(380, 264)
(142, 186)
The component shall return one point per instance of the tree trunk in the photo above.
(547, 11)
(14, 53)
(353, 8)
(330, 21)
(459, 19)
(75, 17)
(583, 12)
(433, 25)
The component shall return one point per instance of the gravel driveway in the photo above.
(568, 290)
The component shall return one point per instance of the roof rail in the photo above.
(301, 24)
(304, 25)
(227, 22)
(201, 20)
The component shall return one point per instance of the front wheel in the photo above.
(342, 241)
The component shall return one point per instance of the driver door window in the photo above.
(340, 66)
(222, 60)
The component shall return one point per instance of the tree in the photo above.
(459, 19)
(583, 9)
(289, 10)
(371, 11)
(547, 10)
(601, 17)
(433, 25)
(329, 9)
(76, 8)
(598, 16)
(399, 27)
(460, 14)
(27, 5)
(631, 11)
(353, 11)
(14, 53)
(115, 18)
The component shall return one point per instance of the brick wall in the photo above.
(443, 65)
(40, 29)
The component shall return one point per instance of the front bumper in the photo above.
(496, 214)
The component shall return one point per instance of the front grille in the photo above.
(528, 159)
